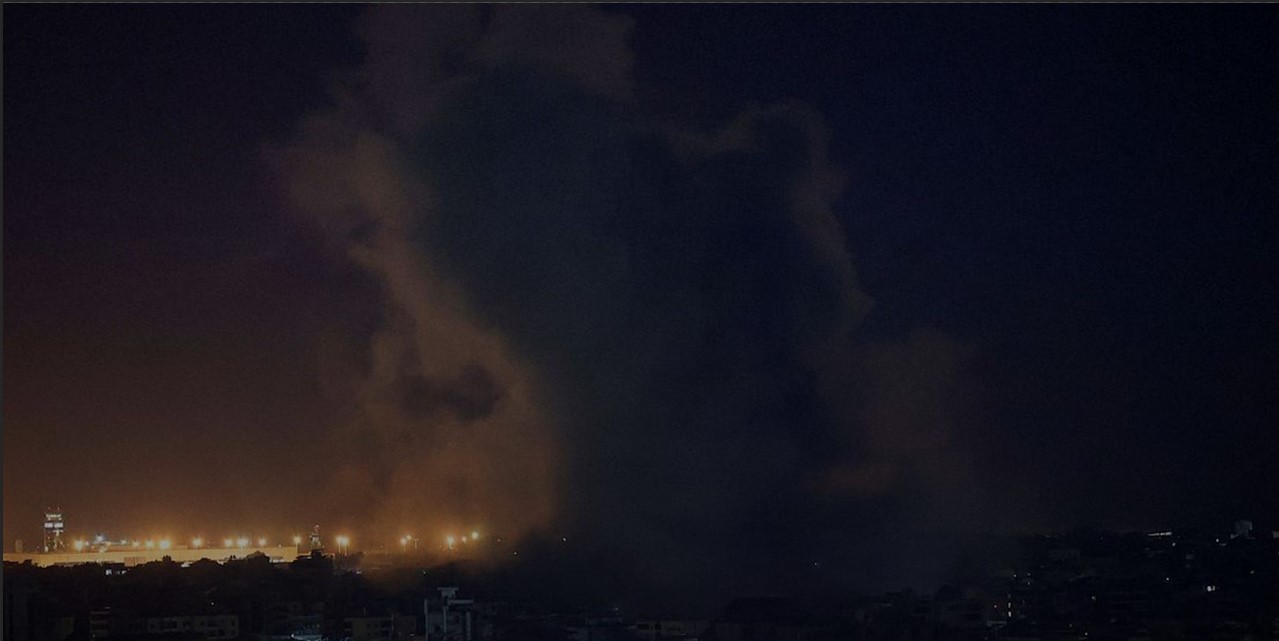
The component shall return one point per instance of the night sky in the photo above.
(714, 291)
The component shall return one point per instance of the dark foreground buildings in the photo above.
(1082, 586)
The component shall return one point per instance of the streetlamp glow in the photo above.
(197, 542)
(297, 540)
(262, 541)
(342, 542)
(165, 544)
(227, 542)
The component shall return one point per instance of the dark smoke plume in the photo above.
(638, 335)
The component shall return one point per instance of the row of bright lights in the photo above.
(242, 542)
(197, 542)
(451, 540)
(163, 544)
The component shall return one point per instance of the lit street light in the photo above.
(197, 542)
(342, 542)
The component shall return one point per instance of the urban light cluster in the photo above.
(167, 543)
(54, 527)
(451, 541)
(241, 542)
(100, 543)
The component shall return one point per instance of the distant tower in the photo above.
(315, 539)
(53, 528)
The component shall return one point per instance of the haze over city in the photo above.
(723, 299)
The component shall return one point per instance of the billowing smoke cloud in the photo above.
(598, 325)
(449, 433)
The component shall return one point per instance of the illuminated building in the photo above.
(53, 528)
